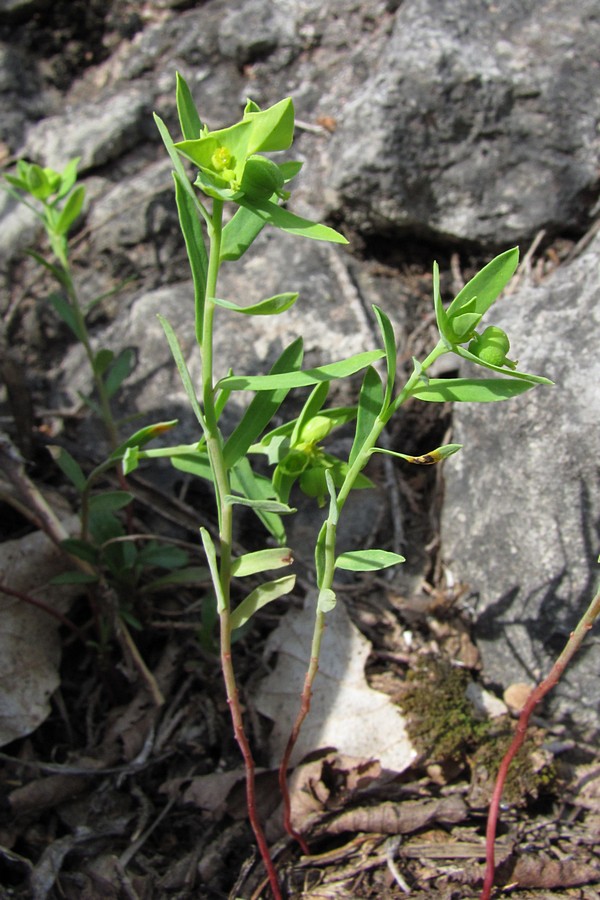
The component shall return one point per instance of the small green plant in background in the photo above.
(105, 554)
(57, 200)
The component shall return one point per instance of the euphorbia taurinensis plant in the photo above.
(230, 168)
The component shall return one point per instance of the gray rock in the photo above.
(522, 504)
(255, 29)
(98, 131)
(478, 123)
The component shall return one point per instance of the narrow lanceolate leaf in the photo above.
(426, 459)
(367, 560)
(110, 501)
(182, 368)
(272, 306)
(389, 342)
(370, 404)
(264, 594)
(487, 285)
(191, 124)
(514, 373)
(262, 407)
(471, 390)
(213, 565)
(143, 436)
(70, 210)
(305, 378)
(310, 409)
(64, 309)
(261, 561)
(120, 369)
(175, 158)
(195, 247)
(293, 224)
(273, 506)
(256, 487)
(69, 467)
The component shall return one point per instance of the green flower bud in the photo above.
(491, 346)
(262, 178)
(315, 430)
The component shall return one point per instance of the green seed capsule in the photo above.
(261, 178)
(313, 483)
(491, 346)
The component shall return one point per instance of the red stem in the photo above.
(544, 687)
(249, 766)
(285, 762)
(32, 601)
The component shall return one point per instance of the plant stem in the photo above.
(214, 445)
(576, 638)
(325, 579)
(103, 399)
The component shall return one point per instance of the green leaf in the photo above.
(74, 577)
(120, 369)
(239, 233)
(273, 506)
(110, 501)
(213, 565)
(485, 287)
(426, 459)
(102, 360)
(257, 487)
(143, 437)
(286, 221)
(272, 128)
(69, 467)
(370, 404)
(191, 229)
(163, 556)
(64, 310)
(367, 560)
(266, 593)
(391, 353)
(188, 575)
(176, 160)
(68, 177)
(190, 122)
(262, 407)
(194, 464)
(70, 210)
(273, 306)
(471, 390)
(182, 368)
(131, 460)
(326, 600)
(341, 369)
(80, 549)
(535, 379)
(310, 409)
(261, 561)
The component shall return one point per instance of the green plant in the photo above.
(230, 168)
(57, 201)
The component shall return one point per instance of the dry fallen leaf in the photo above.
(346, 714)
(29, 640)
